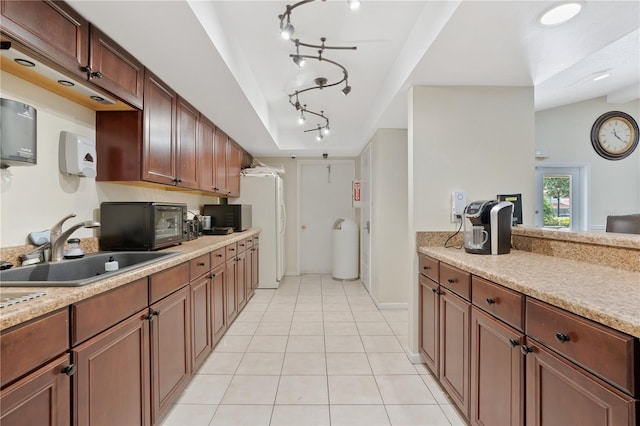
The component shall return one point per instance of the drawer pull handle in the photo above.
(200, 263)
(69, 370)
(426, 267)
(149, 317)
(451, 280)
(490, 301)
(232, 249)
(525, 349)
(212, 276)
(514, 342)
(562, 338)
(218, 255)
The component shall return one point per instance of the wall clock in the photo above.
(614, 135)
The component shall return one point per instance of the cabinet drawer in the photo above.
(242, 245)
(28, 346)
(232, 250)
(199, 266)
(218, 257)
(455, 280)
(249, 241)
(92, 316)
(429, 267)
(500, 302)
(607, 353)
(166, 282)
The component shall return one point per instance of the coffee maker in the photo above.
(487, 227)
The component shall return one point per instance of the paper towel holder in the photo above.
(77, 155)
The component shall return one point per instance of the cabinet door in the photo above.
(52, 29)
(187, 146)
(231, 284)
(559, 393)
(111, 384)
(429, 322)
(170, 350)
(206, 156)
(159, 154)
(201, 309)
(41, 398)
(497, 372)
(254, 253)
(221, 140)
(234, 161)
(218, 277)
(115, 70)
(454, 348)
(241, 288)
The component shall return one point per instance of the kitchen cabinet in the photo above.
(207, 158)
(242, 279)
(497, 372)
(50, 28)
(234, 163)
(559, 393)
(254, 254)
(430, 323)
(170, 350)
(219, 317)
(112, 383)
(201, 310)
(188, 151)
(221, 140)
(41, 398)
(114, 69)
(231, 282)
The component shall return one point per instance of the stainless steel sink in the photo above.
(78, 272)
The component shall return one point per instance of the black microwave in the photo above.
(141, 225)
(237, 216)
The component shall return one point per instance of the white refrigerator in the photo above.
(265, 193)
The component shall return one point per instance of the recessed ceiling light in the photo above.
(560, 14)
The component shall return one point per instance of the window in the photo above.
(561, 197)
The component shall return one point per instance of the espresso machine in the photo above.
(487, 227)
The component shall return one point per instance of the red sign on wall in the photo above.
(356, 191)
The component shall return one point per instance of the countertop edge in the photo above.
(61, 297)
(579, 305)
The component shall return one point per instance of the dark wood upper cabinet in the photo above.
(207, 156)
(50, 28)
(187, 139)
(221, 141)
(234, 162)
(115, 70)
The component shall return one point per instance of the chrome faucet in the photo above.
(58, 237)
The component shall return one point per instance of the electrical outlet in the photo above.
(458, 204)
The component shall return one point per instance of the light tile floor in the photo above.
(313, 352)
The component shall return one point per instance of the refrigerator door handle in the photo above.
(284, 218)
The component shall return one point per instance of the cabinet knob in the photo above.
(69, 370)
(212, 276)
(200, 263)
(232, 249)
(525, 349)
(434, 290)
(514, 342)
(96, 74)
(218, 255)
(562, 338)
(86, 69)
(149, 317)
(451, 280)
(490, 301)
(156, 313)
(426, 267)
(215, 188)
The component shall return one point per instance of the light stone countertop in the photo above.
(61, 297)
(603, 294)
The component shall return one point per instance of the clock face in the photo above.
(614, 135)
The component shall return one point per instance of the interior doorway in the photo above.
(324, 195)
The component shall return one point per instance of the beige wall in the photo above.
(34, 198)
(565, 133)
(389, 282)
(477, 139)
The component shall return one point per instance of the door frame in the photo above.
(300, 163)
(366, 200)
(585, 185)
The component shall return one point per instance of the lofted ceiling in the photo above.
(227, 58)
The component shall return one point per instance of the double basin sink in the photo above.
(79, 272)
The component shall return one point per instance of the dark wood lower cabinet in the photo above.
(559, 393)
(111, 385)
(219, 318)
(454, 348)
(230, 289)
(497, 372)
(254, 256)
(242, 275)
(429, 322)
(41, 398)
(201, 324)
(170, 349)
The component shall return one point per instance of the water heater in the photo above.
(18, 145)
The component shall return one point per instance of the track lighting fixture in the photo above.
(287, 30)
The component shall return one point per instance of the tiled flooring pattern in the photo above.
(313, 352)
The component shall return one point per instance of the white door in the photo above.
(324, 196)
(281, 226)
(365, 217)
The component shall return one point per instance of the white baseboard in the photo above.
(390, 306)
(414, 358)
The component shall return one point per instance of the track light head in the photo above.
(346, 90)
(287, 31)
(298, 60)
(326, 130)
(319, 137)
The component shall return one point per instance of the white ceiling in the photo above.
(228, 59)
